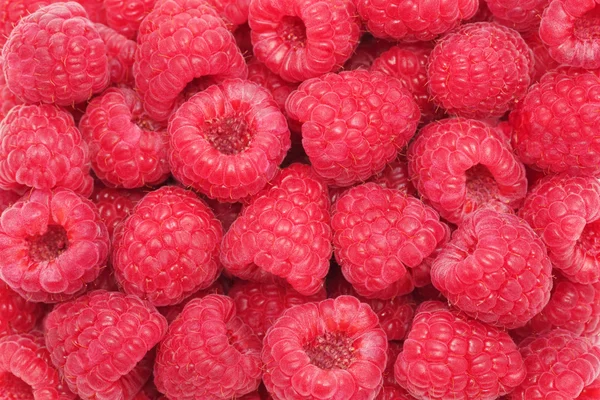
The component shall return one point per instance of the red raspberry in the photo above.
(208, 353)
(52, 243)
(449, 356)
(233, 146)
(284, 232)
(391, 390)
(178, 42)
(100, 343)
(559, 366)
(11, 12)
(17, 315)
(172, 312)
(379, 233)
(460, 165)
(414, 19)
(26, 371)
(303, 39)
(55, 55)
(333, 349)
(127, 148)
(7, 199)
(563, 102)
(354, 123)
(367, 51)
(481, 70)
(115, 205)
(95, 10)
(565, 212)
(233, 12)
(121, 55)
(521, 15)
(543, 61)
(125, 16)
(395, 176)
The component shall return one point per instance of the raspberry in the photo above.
(208, 353)
(11, 12)
(55, 55)
(17, 315)
(460, 165)
(303, 39)
(121, 55)
(556, 127)
(565, 212)
(559, 366)
(543, 61)
(127, 148)
(284, 232)
(115, 205)
(448, 356)
(395, 176)
(354, 123)
(521, 15)
(367, 51)
(333, 349)
(125, 16)
(26, 371)
(481, 70)
(171, 312)
(52, 243)
(100, 343)
(228, 141)
(379, 233)
(179, 42)
(571, 30)
(233, 12)
(414, 19)
(391, 390)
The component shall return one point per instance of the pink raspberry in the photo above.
(333, 349)
(367, 51)
(17, 315)
(459, 165)
(543, 61)
(179, 42)
(121, 55)
(481, 70)
(303, 39)
(395, 176)
(173, 311)
(52, 243)
(353, 123)
(101, 343)
(26, 371)
(284, 232)
(565, 212)
(233, 146)
(413, 20)
(55, 55)
(208, 353)
(11, 12)
(115, 205)
(233, 12)
(125, 16)
(521, 15)
(449, 356)
(168, 248)
(391, 390)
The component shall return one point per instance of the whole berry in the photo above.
(115, 205)
(121, 55)
(521, 15)
(17, 315)
(125, 16)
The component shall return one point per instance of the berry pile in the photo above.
(300, 200)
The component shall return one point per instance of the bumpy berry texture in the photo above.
(52, 243)
(303, 39)
(100, 343)
(65, 62)
(559, 365)
(353, 123)
(283, 233)
(168, 248)
(127, 148)
(481, 70)
(121, 55)
(543, 61)
(208, 353)
(369, 48)
(459, 165)
(26, 371)
(233, 12)
(556, 127)
(565, 212)
(179, 42)
(115, 205)
(391, 390)
(414, 19)
(125, 16)
(333, 349)
(228, 141)
(521, 15)
(11, 12)
(449, 356)
(17, 315)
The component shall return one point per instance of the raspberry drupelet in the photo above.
(121, 55)
(125, 16)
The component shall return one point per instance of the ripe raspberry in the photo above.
(228, 141)
(556, 127)
(17, 315)
(543, 61)
(125, 16)
(11, 12)
(565, 212)
(521, 15)
(449, 356)
(460, 165)
(100, 343)
(179, 42)
(208, 353)
(26, 371)
(414, 19)
(379, 233)
(354, 123)
(481, 70)
(559, 366)
(121, 55)
(172, 312)
(571, 30)
(391, 390)
(7, 199)
(303, 39)
(55, 55)
(333, 349)
(233, 12)
(52, 243)
(395, 176)
(367, 51)
(115, 205)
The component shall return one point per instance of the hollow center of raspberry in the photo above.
(590, 239)
(50, 245)
(331, 350)
(229, 135)
(292, 30)
(587, 27)
(481, 187)
(13, 388)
